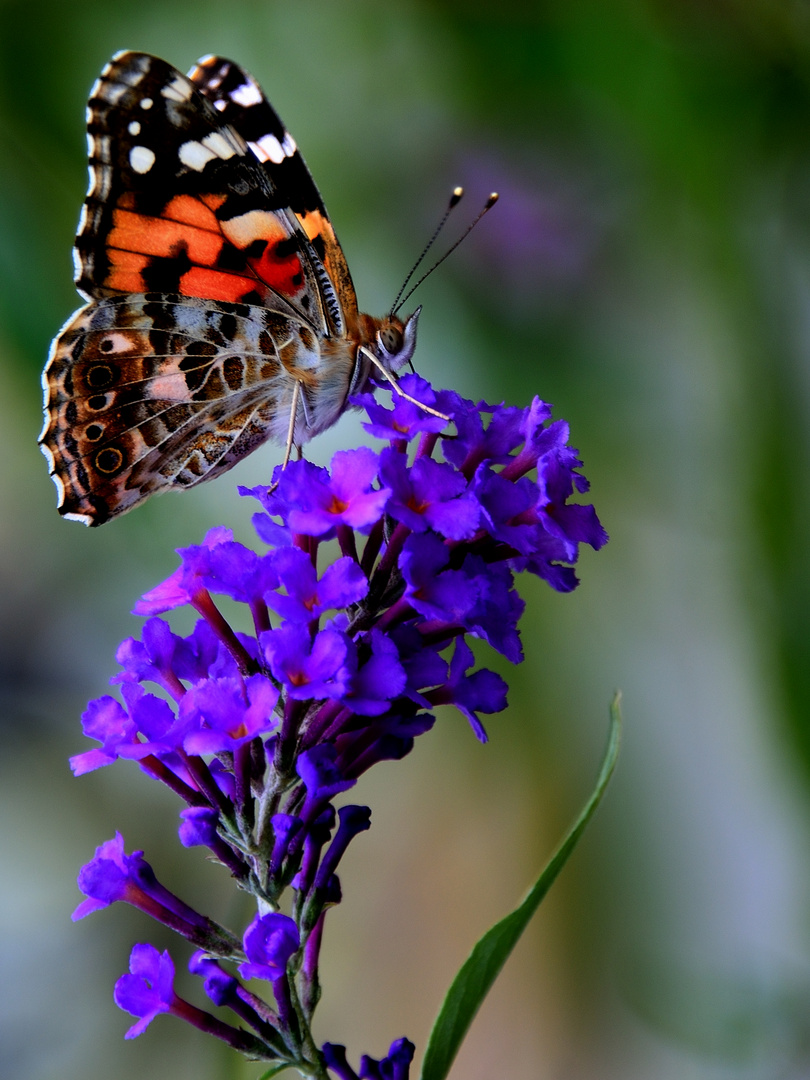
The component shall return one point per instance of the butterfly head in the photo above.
(395, 340)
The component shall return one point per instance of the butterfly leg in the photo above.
(398, 389)
(291, 429)
(290, 436)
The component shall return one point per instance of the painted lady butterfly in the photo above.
(221, 312)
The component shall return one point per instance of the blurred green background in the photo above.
(648, 271)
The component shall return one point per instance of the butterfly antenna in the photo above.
(455, 199)
(398, 303)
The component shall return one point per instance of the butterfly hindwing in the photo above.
(148, 392)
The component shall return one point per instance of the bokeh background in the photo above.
(648, 271)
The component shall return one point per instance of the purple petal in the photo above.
(148, 990)
(269, 942)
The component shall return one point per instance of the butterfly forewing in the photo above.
(239, 101)
(177, 202)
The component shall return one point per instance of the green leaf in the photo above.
(276, 1069)
(479, 971)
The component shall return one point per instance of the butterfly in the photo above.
(220, 309)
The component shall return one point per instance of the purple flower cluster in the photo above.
(353, 643)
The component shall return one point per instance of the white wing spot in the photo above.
(219, 144)
(141, 158)
(247, 94)
(110, 92)
(146, 103)
(116, 343)
(195, 156)
(134, 128)
(178, 89)
(268, 148)
(244, 229)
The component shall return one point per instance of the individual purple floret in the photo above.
(199, 826)
(373, 577)
(395, 1066)
(405, 421)
(149, 988)
(482, 691)
(315, 502)
(343, 583)
(311, 666)
(223, 714)
(113, 875)
(187, 580)
(269, 941)
(429, 495)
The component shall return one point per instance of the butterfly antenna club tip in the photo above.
(493, 198)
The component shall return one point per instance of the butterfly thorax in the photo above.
(346, 365)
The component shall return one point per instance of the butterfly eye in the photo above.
(391, 338)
